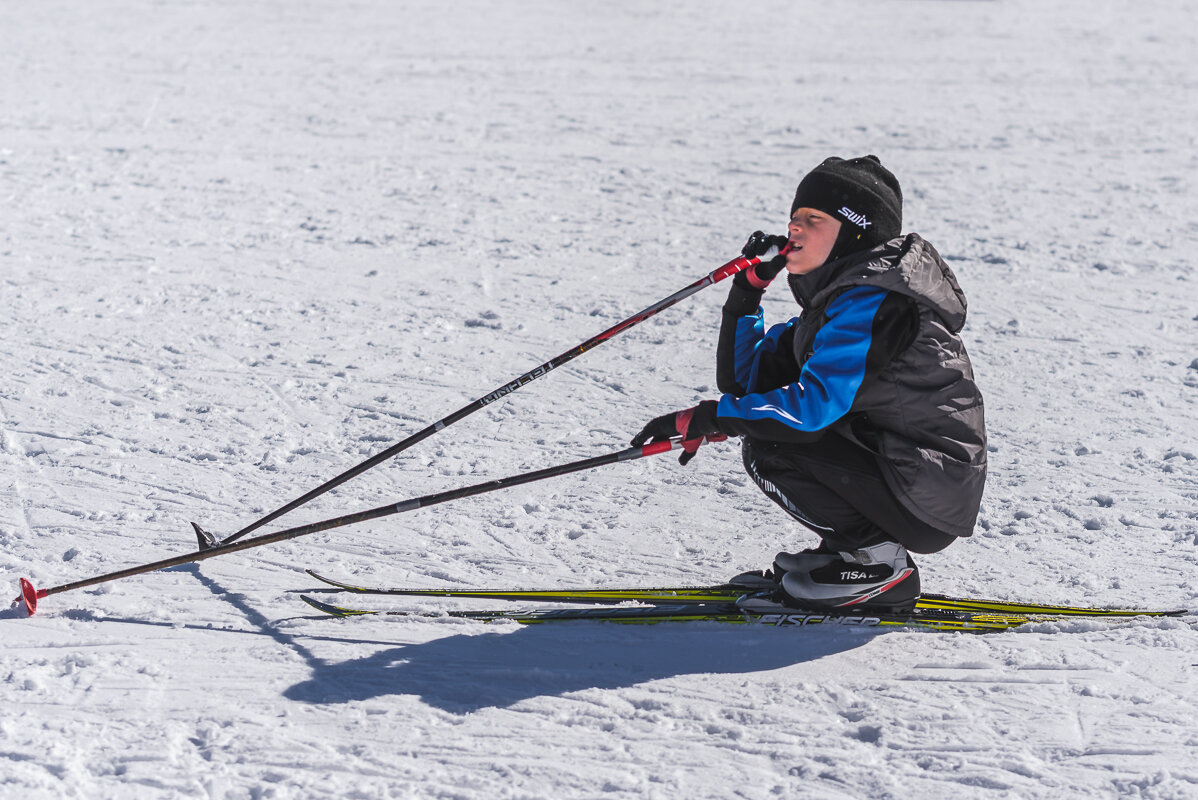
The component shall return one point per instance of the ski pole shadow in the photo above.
(468, 672)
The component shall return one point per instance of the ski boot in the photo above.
(876, 578)
(880, 576)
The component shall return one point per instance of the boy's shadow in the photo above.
(467, 672)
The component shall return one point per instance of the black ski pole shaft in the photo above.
(731, 268)
(30, 595)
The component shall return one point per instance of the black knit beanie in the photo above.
(859, 192)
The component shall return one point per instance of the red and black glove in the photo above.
(695, 425)
(770, 249)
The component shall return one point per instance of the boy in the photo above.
(860, 417)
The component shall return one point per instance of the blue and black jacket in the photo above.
(877, 358)
(797, 379)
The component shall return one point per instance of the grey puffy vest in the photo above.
(922, 415)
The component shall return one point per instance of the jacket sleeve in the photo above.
(749, 356)
(742, 327)
(866, 328)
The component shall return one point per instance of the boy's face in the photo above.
(812, 236)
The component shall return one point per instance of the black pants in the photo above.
(836, 489)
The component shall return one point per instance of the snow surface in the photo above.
(248, 244)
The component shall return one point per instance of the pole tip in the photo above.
(204, 539)
(27, 602)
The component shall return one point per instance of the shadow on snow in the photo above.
(468, 672)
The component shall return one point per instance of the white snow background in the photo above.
(245, 245)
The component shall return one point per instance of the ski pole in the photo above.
(30, 595)
(734, 266)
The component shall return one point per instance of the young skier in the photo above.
(860, 417)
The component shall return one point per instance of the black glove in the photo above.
(773, 261)
(695, 426)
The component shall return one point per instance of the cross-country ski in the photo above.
(725, 592)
